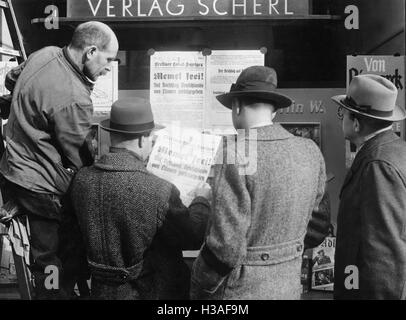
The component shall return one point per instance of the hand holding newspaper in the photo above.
(184, 158)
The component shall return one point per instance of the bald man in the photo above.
(47, 143)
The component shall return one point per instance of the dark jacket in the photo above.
(135, 227)
(48, 123)
(371, 223)
(254, 244)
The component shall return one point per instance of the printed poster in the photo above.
(177, 88)
(323, 265)
(105, 91)
(183, 157)
(223, 69)
(183, 86)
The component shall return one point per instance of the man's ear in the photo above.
(90, 51)
(356, 125)
(238, 106)
(141, 141)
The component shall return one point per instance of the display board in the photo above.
(307, 130)
(183, 85)
(105, 91)
(314, 115)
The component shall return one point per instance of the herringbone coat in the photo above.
(135, 227)
(254, 242)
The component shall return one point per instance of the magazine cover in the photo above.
(323, 265)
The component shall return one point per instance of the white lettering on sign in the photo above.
(316, 106)
(139, 10)
(272, 5)
(155, 6)
(223, 13)
(207, 9)
(244, 5)
(287, 12)
(293, 109)
(171, 8)
(257, 5)
(126, 5)
(180, 6)
(374, 65)
(109, 7)
(94, 10)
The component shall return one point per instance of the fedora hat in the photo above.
(258, 82)
(130, 116)
(372, 96)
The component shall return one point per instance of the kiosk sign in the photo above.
(186, 9)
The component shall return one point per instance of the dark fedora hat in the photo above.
(130, 116)
(372, 96)
(258, 82)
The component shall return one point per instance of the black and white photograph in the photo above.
(183, 152)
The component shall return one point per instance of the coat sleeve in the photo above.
(317, 228)
(185, 227)
(383, 243)
(72, 130)
(226, 241)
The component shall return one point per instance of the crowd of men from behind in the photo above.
(125, 228)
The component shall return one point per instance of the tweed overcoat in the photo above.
(371, 223)
(135, 227)
(261, 208)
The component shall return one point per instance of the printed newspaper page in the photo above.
(223, 69)
(177, 88)
(105, 91)
(183, 157)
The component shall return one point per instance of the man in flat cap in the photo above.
(254, 243)
(370, 258)
(134, 223)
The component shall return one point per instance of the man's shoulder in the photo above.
(306, 147)
(48, 75)
(392, 153)
(164, 186)
(41, 58)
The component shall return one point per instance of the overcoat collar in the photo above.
(89, 84)
(270, 133)
(121, 160)
(372, 144)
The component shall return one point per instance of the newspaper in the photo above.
(183, 157)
